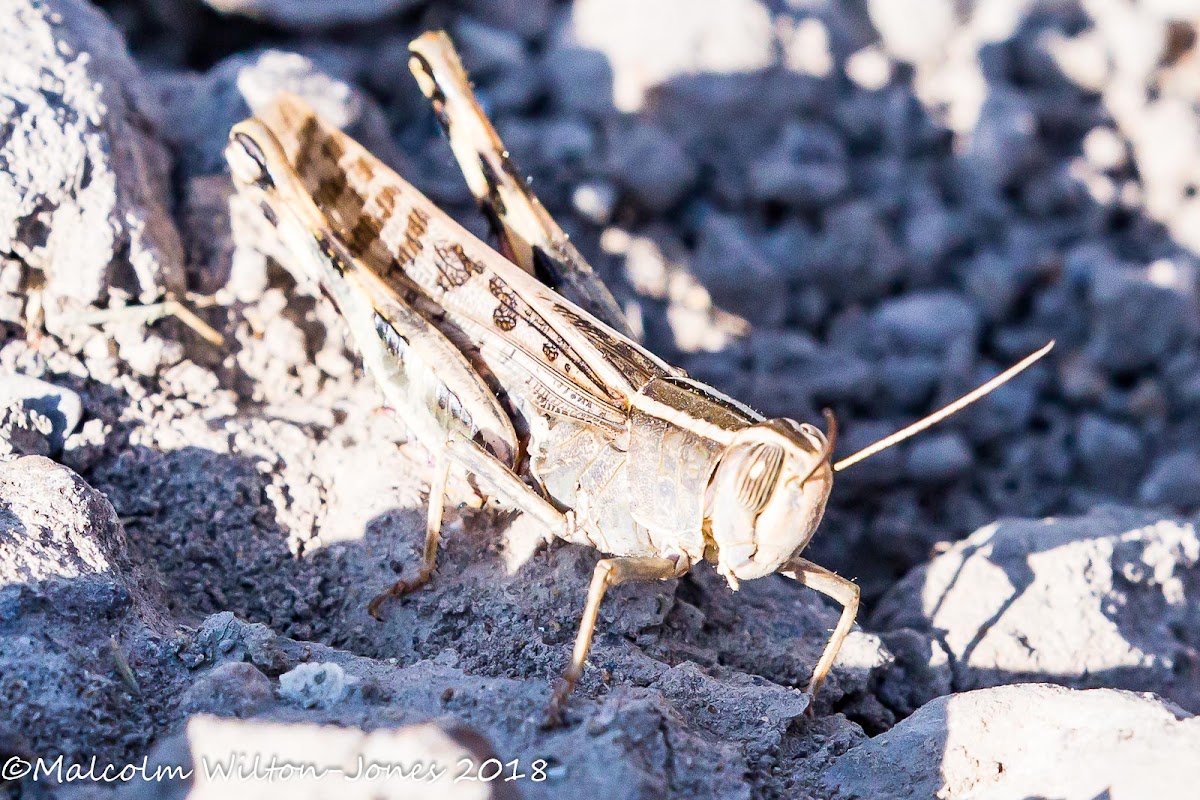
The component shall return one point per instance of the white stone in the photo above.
(321, 685)
(648, 42)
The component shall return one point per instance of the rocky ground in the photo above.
(866, 206)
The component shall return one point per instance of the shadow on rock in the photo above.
(1108, 599)
(1027, 741)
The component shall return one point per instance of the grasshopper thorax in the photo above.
(767, 496)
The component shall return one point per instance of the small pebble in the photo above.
(322, 685)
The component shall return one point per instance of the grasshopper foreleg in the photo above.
(433, 535)
(838, 588)
(609, 572)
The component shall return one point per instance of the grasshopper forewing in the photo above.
(528, 235)
(554, 411)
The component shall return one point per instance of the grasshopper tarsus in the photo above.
(399, 589)
(373, 607)
(563, 687)
(433, 535)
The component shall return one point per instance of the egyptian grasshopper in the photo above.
(517, 366)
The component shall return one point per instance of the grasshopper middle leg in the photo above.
(500, 479)
(433, 535)
(838, 588)
(608, 572)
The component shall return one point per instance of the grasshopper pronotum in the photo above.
(496, 367)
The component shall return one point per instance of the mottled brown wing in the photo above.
(535, 342)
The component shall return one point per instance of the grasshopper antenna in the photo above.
(949, 410)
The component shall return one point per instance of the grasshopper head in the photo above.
(264, 175)
(767, 496)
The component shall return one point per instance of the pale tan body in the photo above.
(555, 412)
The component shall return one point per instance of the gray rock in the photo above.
(61, 406)
(763, 709)
(737, 275)
(223, 638)
(712, 730)
(568, 140)
(794, 369)
(231, 688)
(580, 81)
(79, 634)
(55, 526)
(313, 15)
(1134, 323)
(1004, 142)
(1111, 454)
(930, 234)
(1173, 481)
(717, 722)
(993, 283)
(925, 322)
(1081, 380)
(805, 168)
(1106, 599)
(486, 50)
(549, 143)
(83, 193)
(1005, 414)
(921, 671)
(881, 469)
(938, 457)
(1028, 741)
(856, 257)
(530, 19)
(650, 165)
(512, 92)
(789, 246)
(908, 382)
(805, 186)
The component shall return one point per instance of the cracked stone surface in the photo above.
(1111, 598)
(1025, 741)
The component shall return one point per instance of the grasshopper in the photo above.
(517, 367)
